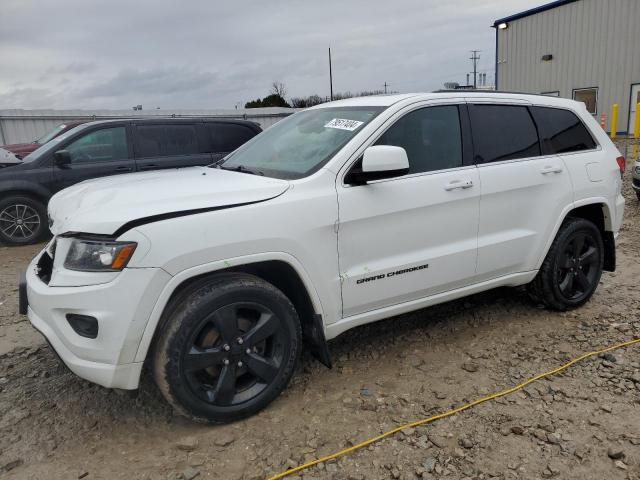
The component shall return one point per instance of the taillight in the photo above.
(621, 164)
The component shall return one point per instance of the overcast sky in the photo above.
(216, 54)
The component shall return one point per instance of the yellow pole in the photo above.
(614, 121)
(636, 132)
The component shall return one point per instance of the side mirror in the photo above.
(380, 162)
(62, 158)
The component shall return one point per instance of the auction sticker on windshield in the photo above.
(343, 124)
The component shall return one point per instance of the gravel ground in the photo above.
(582, 424)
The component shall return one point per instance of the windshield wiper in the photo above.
(241, 169)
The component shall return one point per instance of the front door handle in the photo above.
(551, 169)
(124, 169)
(458, 184)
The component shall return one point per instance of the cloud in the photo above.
(204, 54)
(155, 81)
(28, 98)
(75, 68)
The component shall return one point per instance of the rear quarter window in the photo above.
(181, 140)
(561, 131)
(226, 137)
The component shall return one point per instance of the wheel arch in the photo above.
(597, 211)
(281, 270)
(600, 215)
(37, 193)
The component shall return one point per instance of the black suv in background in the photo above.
(102, 148)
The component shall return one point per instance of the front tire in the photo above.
(23, 220)
(572, 268)
(228, 347)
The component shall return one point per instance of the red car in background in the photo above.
(21, 150)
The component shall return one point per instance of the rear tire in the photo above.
(228, 347)
(23, 220)
(572, 268)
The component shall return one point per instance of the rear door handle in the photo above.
(551, 169)
(458, 184)
(124, 169)
(149, 166)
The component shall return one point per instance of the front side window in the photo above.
(588, 96)
(102, 145)
(503, 132)
(302, 143)
(431, 137)
(561, 131)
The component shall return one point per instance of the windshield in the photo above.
(51, 144)
(300, 144)
(48, 136)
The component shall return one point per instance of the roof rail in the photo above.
(464, 90)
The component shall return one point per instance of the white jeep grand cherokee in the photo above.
(340, 215)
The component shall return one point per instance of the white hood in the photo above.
(103, 205)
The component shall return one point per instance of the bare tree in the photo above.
(305, 102)
(278, 88)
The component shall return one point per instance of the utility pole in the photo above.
(474, 58)
(330, 76)
(385, 87)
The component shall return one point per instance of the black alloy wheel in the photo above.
(227, 346)
(578, 266)
(571, 271)
(234, 354)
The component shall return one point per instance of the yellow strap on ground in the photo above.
(454, 411)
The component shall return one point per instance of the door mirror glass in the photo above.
(62, 158)
(379, 162)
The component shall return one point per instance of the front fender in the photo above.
(25, 186)
(212, 267)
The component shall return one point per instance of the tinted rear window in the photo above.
(503, 132)
(561, 131)
(226, 137)
(166, 140)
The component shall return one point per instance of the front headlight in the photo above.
(98, 255)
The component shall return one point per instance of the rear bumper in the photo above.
(619, 212)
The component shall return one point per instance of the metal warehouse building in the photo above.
(588, 50)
